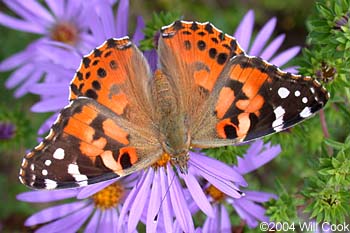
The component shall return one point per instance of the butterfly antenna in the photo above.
(155, 219)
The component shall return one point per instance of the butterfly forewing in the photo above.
(193, 55)
(106, 131)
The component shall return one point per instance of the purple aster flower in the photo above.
(62, 23)
(7, 130)
(260, 47)
(248, 206)
(54, 89)
(97, 212)
(163, 195)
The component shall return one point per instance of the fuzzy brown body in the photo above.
(173, 127)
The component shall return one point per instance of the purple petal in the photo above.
(251, 210)
(255, 160)
(139, 35)
(122, 18)
(70, 223)
(285, 56)
(47, 196)
(90, 190)
(54, 212)
(47, 124)
(152, 58)
(212, 224)
(204, 164)
(166, 208)
(262, 37)
(20, 25)
(105, 14)
(49, 89)
(140, 200)
(259, 196)
(16, 60)
(48, 105)
(93, 223)
(154, 204)
(33, 7)
(244, 30)
(292, 69)
(25, 86)
(225, 223)
(255, 148)
(182, 213)
(114, 219)
(73, 8)
(19, 75)
(198, 194)
(129, 202)
(271, 49)
(106, 221)
(56, 6)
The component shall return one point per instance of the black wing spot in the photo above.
(187, 44)
(86, 62)
(96, 85)
(212, 53)
(80, 76)
(111, 43)
(91, 94)
(113, 64)
(101, 72)
(125, 160)
(222, 57)
(194, 26)
(201, 45)
(97, 53)
(209, 28)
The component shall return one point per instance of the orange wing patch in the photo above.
(103, 72)
(202, 47)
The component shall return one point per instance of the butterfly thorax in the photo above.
(172, 120)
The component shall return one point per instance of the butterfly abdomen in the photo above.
(173, 128)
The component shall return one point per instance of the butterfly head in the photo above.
(178, 148)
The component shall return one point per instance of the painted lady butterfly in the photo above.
(206, 93)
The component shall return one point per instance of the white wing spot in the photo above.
(44, 172)
(23, 162)
(283, 92)
(305, 113)
(278, 123)
(312, 90)
(32, 167)
(304, 99)
(59, 154)
(50, 184)
(297, 93)
(48, 162)
(73, 169)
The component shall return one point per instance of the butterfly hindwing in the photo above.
(254, 99)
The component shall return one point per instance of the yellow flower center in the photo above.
(162, 161)
(65, 32)
(109, 197)
(215, 193)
